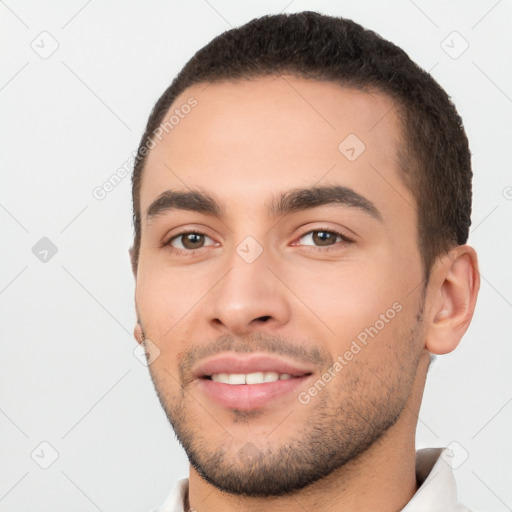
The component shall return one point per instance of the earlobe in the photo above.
(138, 334)
(455, 283)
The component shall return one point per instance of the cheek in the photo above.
(168, 299)
(158, 301)
(345, 294)
(356, 300)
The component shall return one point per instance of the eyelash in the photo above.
(191, 252)
(183, 252)
(317, 248)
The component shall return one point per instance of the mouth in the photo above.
(247, 392)
(230, 368)
(237, 379)
(250, 382)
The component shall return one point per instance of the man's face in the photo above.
(309, 281)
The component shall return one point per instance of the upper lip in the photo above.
(231, 363)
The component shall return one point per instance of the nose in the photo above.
(248, 297)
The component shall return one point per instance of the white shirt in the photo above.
(434, 475)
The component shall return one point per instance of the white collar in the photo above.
(437, 490)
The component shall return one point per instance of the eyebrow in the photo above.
(288, 202)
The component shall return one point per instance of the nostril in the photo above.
(264, 318)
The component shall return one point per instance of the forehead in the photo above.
(257, 137)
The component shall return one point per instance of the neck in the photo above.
(381, 478)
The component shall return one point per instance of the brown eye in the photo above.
(321, 238)
(324, 237)
(190, 241)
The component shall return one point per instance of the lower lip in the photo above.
(249, 396)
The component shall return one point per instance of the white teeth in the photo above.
(270, 376)
(236, 378)
(255, 378)
(249, 378)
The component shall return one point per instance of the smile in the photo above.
(249, 378)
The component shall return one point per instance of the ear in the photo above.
(453, 289)
(138, 334)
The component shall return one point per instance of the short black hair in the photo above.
(434, 158)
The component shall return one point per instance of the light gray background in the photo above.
(69, 376)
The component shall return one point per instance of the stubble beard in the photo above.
(340, 426)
